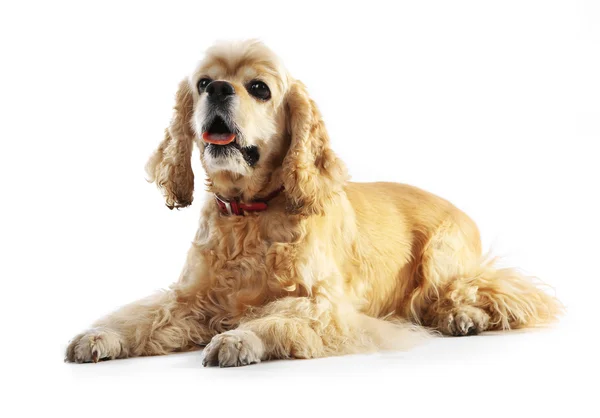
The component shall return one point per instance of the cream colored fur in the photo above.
(331, 268)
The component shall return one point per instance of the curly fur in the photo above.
(331, 268)
(312, 173)
(170, 167)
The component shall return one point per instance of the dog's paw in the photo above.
(466, 320)
(234, 348)
(94, 345)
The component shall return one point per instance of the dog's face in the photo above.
(238, 116)
(257, 130)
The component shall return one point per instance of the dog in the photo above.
(291, 260)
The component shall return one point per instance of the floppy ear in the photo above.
(171, 164)
(312, 173)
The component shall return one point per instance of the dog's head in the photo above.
(256, 129)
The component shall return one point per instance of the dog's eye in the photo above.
(259, 90)
(202, 84)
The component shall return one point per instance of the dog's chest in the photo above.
(249, 264)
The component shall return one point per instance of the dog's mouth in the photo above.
(222, 142)
(219, 132)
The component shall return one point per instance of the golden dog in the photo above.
(290, 259)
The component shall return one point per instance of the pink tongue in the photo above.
(219, 139)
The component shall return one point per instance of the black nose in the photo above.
(219, 90)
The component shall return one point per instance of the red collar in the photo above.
(236, 207)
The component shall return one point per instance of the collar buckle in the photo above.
(224, 205)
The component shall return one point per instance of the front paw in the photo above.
(94, 345)
(234, 348)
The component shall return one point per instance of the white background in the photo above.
(492, 105)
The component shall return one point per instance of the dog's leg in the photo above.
(155, 325)
(490, 299)
(459, 293)
(305, 328)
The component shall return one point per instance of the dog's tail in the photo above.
(513, 299)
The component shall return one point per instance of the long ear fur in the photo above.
(170, 166)
(312, 173)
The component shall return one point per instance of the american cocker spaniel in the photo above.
(291, 260)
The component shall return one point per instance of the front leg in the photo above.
(159, 324)
(282, 329)
(305, 328)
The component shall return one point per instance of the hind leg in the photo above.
(447, 297)
(460, 293)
